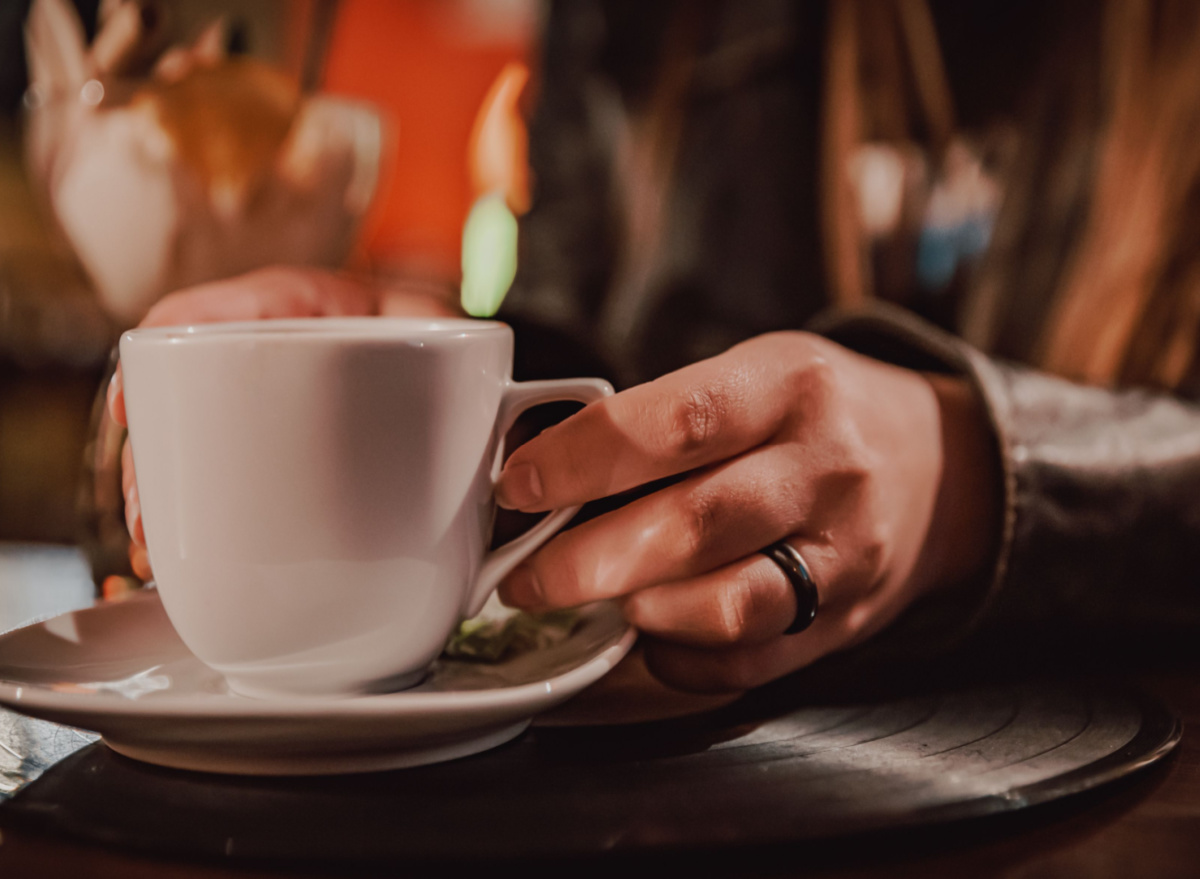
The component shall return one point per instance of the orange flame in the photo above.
(498, 150)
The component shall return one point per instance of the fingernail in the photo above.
(522, 588)
(133, 516)
(115, 399)
(110, 398)
(139, 560)
(519, 487)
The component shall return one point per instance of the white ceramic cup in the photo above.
(318, 493)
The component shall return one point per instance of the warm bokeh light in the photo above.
(430, 64)
(498, 159)
(498, 151)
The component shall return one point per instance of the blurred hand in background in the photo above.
(207, 167)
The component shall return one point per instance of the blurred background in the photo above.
(370, 104)
(1020, 172)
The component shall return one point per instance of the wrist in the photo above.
(965, 527)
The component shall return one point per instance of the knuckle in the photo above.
(853, 463)
(814, 378)
(789, 348)
(842, 493)
(783, 499)
(853, 478)
(703, 519)
(863, 462)
(694, 421)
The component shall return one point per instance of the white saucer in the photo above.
(121, 670)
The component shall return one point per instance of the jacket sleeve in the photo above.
(1101, 524)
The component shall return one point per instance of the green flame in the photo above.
(489, 255)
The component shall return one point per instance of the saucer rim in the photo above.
(26, 696)
(334, 328)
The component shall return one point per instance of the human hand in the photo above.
(278, 292)
(883, 478)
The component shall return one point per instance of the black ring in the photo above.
(794, 568)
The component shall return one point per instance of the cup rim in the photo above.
(376, 328)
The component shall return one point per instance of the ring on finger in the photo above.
(789, 560)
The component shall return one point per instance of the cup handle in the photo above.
(519, 396)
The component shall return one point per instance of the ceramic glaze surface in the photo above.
(121, 670)
(317, 494)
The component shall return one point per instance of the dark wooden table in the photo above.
(1147, 825)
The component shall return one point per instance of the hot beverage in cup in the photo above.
(317, 493)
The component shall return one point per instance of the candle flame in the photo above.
(497, 156)
(499, 146)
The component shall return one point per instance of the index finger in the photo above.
(701, 414)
